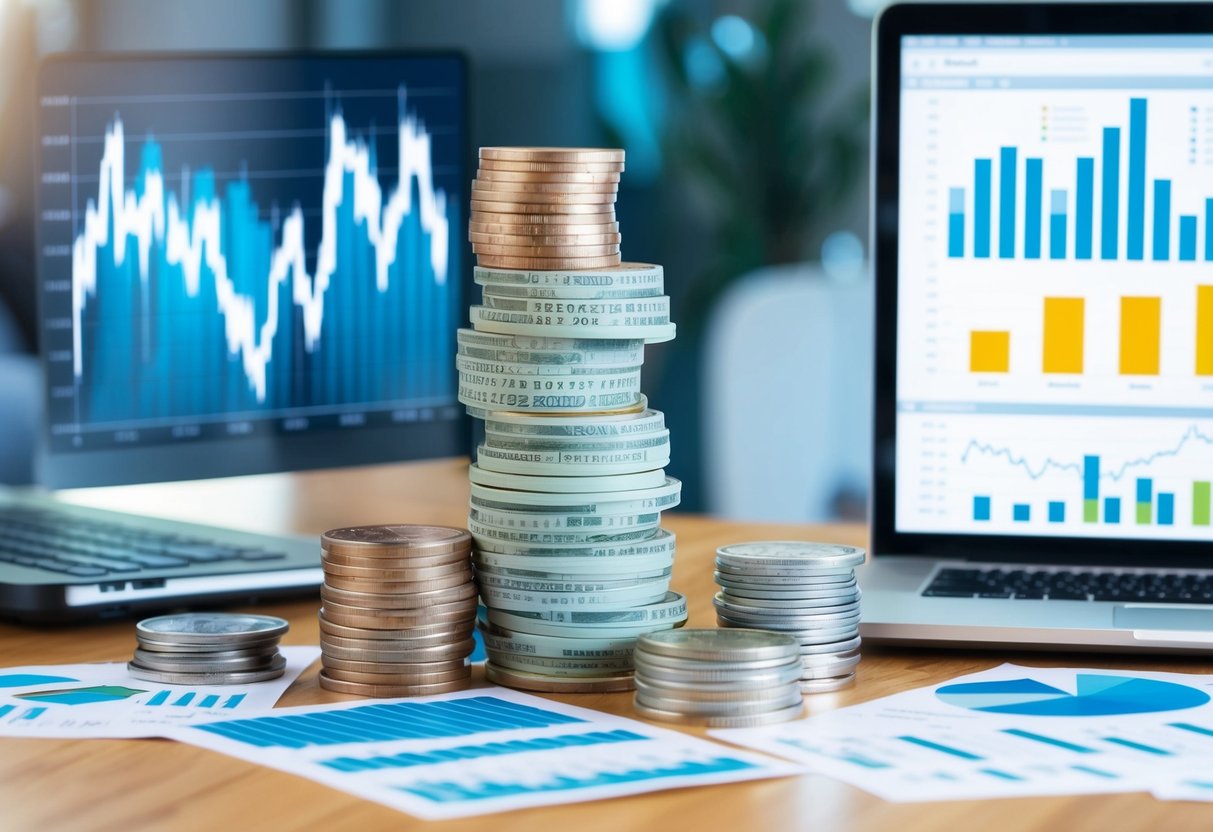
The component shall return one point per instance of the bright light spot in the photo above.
(613, 25)
(842, 256)
(734, 36)
(703, 65)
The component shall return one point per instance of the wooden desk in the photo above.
(127, 785)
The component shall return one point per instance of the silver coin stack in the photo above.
(719, 678)
(208, 648)
(807, 590)
(568, 487)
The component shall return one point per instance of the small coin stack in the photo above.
(807, 590)
(399, 610)
(208, 648)
(568, 487)
(718, 678)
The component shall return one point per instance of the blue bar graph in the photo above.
(982, 174)
(33, 713)
(394, 721)
(1183, 726)
(1138, 746)
(1053, 741)
(234, 701)
(1137, 179)
(956, 222)
(981, 508)
(1162, 219)
(5, 710)
(1110, 213)
(1187, 237)
(1006, 202)
(1111, 510)
(1084, 207)
(472, 752)
(1090, 477)
(1021, 512)
(185, 699)
(1145, 490)
(1000, 775)
(1097, 772)
(943, 749)
(1057, 511)
(1166, 508)
(1057, 225)
(1031, 208)
(451, 792)
(159, 698)
(208, 701)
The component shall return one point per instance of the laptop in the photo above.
(247, 264)
(1043, 247)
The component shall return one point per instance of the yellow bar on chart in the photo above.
(1063, 338)
(1140, 333)
(1204, 330)
(989, 351)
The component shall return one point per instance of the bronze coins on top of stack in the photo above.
(546, 208)
(399, 610)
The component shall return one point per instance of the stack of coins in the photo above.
(807, 590)
(399, 610)
(569, 485)
(208, 648)
(719, 678)
(546, 208)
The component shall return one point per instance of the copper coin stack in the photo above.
(546, 208)
(399, 609)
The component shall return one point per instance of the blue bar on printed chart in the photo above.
(1195, 729)
(1162, 219)
(943, 749)
(1187, 237)
(1084, 207)
(1166, 508)
(185, 699)
(1045, 740)
(956, 222)
(1032, 197)
(1057, 512)
(1021, 512)
(1137, 179)
(6, 709)
(1006, 201)
(1111, 510)
(1138, 746)
(209, 701)
(1057, 225)
(1109, 217)
(981, 508)
(234, 701)
(982, 174)
(33, 713)
(1209, 229)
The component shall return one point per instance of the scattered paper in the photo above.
(476, 751)
(103, 700)
(1013, 732)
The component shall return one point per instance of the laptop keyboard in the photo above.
(61, 542)
(1072, 585)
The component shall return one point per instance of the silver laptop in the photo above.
(246, 264)
(1043, 245)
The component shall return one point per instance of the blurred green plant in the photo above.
(767, 146)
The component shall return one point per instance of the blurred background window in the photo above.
(745, 125)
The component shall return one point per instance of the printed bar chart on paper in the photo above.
(1055, 304)
(476, 751)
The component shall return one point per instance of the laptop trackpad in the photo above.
(1162, 618)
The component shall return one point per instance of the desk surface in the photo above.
(154, 784)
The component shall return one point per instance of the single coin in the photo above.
(500, 207)
(159, 661)
(446, 652)
(529, 199)
(567, 155)
(831, 671)
(719, 708)
(572, 428)
(493, 175)
(434, 612)
(547, 263)
(230, 629)
(712, 693)
(717, 679)
(398, 600)
(387, 690)
(790, 579)
(794, 553)
(623, 276)
(546, 239)
(494, 290)
(540, 231)
(552, 222)
(275, 669)
(436, 632)
(652, 328)
(799, 608)
(261, 655)
(718, 645)
(812, 597)
(551, 167)
(396, 622)
(523, 680)
(559, 667)
(844, 646)
(827, 685)
(365, 666)
(755, 720)
(657, 497)
(789, 659)
(452, 640)
(565, 485)
(510, 187)
(388, 587)
(507, 641)
(249, 648)
(577, 250)
(401, 540)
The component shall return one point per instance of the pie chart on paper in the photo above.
(1096, 695)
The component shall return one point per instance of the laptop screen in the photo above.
(1055, 286)
(249, 263)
